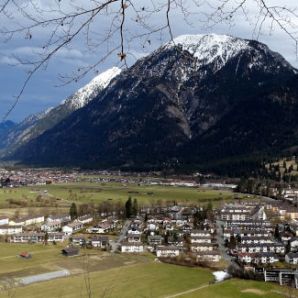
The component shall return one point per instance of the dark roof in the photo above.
(100, 238)
(292, 255)
(71, 250)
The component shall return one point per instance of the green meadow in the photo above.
(60, 195)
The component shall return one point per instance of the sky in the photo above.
(46, 88)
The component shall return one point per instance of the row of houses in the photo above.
(103, 227)
(204, 246)
(236, 231)
(249, 234)
(273, 247)
(240, 212)
(95, 241)
(258, 258)
(34, 237)
(51, 224)
(65, 224)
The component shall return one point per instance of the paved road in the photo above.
(221, 242)
(116, 243)
(221, 246)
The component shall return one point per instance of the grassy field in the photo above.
(117, 276)
(150, 280)
(242, 289)
(140, 280)
(47, 258)
(62, 194)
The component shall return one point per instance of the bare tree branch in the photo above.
(102, 22)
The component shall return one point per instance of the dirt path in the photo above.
(187, 291)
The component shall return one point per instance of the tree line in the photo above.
(128, 210)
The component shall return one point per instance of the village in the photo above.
(12, 178)
(246, 236)
(256, 239)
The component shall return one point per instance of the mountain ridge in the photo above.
(172, 108)
(35, 125)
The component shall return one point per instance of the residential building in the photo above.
(56, 237)
(99, 241)
(167, 251)
(27, 237)
(208, 256)
(85, 219)
(10, 230)
(4, 220)
(292, 258)
(51, 226)
(72, 227)
(134, 247)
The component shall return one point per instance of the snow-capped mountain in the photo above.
(198, 101)
(211, 48)
(37, 124)
(84, 94)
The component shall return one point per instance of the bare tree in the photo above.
(87, 279)
(107, 24)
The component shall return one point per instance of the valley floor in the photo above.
(96, 273)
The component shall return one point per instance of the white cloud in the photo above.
(63, 52)
(8, 60)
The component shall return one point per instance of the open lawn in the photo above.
(140, 280)
(61, 194)
(236, 288)
(47, 258)
(118, 275)
(151, 279)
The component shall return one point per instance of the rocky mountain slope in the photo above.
(35, 125)
(201, 100)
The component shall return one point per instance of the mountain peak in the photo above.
(208, 48)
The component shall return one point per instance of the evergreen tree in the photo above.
(276, 232)
(46, 238)
(196, 220)
(166, 237)
(128, 208)
(233, 242)
(73, 211)
(135, 207)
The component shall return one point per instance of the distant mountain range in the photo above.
(202, 101)
(35, 125)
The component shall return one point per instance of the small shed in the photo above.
(71, 251)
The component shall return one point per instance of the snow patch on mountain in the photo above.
(88, 92)
(211, 48)
(36, 124)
